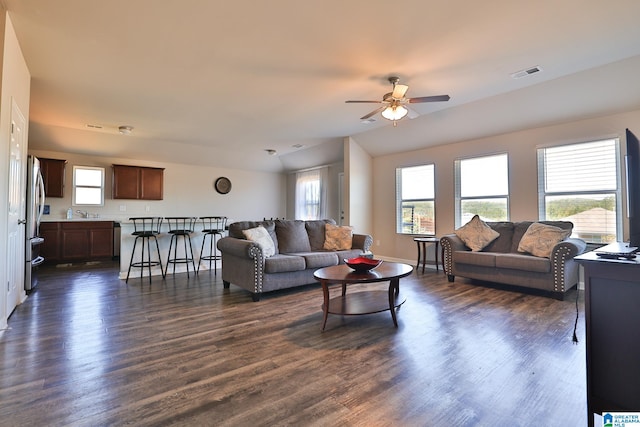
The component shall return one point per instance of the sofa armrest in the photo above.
(362, 241)
(451, 243)
(563, 266)
(569, 248)
(239, 247)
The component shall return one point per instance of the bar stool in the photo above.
(145, 228)
(180, 227)
(212, 227)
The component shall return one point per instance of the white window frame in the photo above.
(616, 192)
(425, 193)
(459, 199)
(77, 186)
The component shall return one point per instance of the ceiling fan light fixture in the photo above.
(394, 112)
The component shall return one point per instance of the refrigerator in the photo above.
(35, 208)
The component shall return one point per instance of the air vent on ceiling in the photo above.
(94, 126)
(524, 73)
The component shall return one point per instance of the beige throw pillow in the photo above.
(338, 237)
(260, 235)
(539, 239)
(476, 234)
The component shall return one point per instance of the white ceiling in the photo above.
(217, 82)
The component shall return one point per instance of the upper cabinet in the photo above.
(53, 176)
(137, 182)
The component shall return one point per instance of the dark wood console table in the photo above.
(612, 316)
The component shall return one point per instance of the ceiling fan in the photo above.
(394, 102)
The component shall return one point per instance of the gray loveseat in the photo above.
(501, 262)
(299, 251)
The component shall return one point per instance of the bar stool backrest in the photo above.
(182, 224)
(146, 226)
(213, 224)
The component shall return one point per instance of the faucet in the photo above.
(84, 214)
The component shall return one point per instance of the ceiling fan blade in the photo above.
(361, 102)
(373, 113)
(436, 98)
(399, 91)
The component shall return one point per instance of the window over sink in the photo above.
(88, 186)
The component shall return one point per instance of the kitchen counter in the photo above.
(45, 218)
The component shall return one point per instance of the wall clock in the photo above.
(223, 185)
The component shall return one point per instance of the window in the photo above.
(482, 188)
(415, 200)
(88, 186)
(579, 183)
(311, 194)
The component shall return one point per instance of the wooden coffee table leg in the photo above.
(325, 292)
(394, 290)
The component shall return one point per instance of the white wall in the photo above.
(358, 192)
(188, 191)
(15, 85)
(521, 148)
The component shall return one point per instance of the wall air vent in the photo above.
(527, 72)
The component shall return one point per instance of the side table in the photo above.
(422, 251)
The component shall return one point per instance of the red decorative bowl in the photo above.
(362, 264)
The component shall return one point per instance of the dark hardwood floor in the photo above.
(86, 349)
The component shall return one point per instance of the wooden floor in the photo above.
(86, 349)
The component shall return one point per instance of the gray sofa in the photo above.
(500, 261)
(299, 247)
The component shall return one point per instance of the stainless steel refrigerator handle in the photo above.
(41, 204)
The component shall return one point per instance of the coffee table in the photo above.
(363, 302)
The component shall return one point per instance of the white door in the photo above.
(17, 214)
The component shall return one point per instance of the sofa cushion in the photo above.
(520, 228)
(292, 236)
(284, 263)
(316, 231)
(236, 229)
(523, 262)
(540, 239)
(319, 259)
(338, 237)
(476, 234)
(484, 259)
(503, 243)
(260, 235)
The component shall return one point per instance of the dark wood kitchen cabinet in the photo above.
(50, 248)
(53, 171)
(77, 240)
(137, 182)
